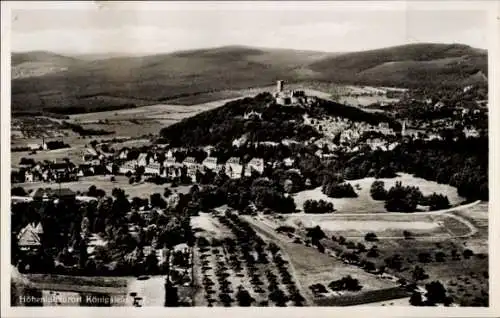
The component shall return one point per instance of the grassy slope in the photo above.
(158, 78)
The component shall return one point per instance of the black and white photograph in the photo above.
(266, 154)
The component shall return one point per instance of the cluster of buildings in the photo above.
(190, 166)
(50, 172)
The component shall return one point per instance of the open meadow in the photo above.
(141, 190)
(364, 202)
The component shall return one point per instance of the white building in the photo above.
(233, 168)
(192, 167)
(169, 162)
(28, 176)
(152, 168)
(210, 163)
(209, 149)
(123, 154)
(142, 160)
(289, 162)
(254, 165)
(169, 154)
(127, 166)
(471, 132)
(238, 142)
(34, 146)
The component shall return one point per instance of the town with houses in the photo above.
(186, 167)
(250, 177)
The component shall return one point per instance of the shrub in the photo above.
(18, 191)
(372, 252)
(285, 229)
(342, 240)
(339, 190)
(361, 247)
(437, 202)
(418, 273)
(436, 294)
(395, 262)
(317, 207)
(440, 256)
(424, 257)
(416, 299)
(371, 237)
(316, 234)
(345, 283)
(468, 253)
(408, 235)
(403, 199)
(377, 191)
(318, 288)
(27, 161)
(369, 266)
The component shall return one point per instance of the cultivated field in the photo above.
(144, 120)
(443, 237)
(365, 204)
(138, 123)
(312, 267)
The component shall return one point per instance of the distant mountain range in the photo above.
(43, 80)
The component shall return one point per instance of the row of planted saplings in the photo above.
(249, 240)
(242, 296)
(286, 277)
(224, 285)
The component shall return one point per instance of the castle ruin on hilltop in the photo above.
(291, 97)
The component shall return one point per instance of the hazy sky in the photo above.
(325, 28)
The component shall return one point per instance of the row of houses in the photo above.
(170, 168)
(60, 171)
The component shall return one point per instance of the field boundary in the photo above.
(367, 297)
